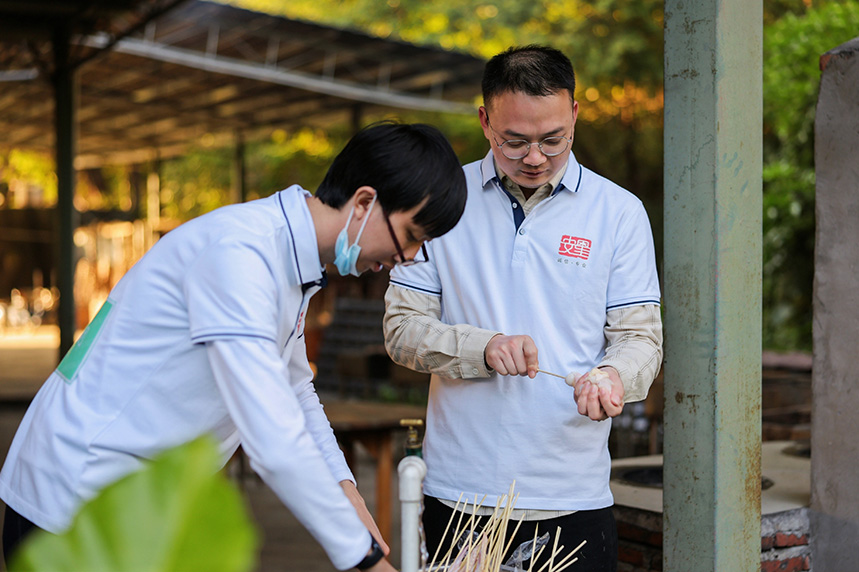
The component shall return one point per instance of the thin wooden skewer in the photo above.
(508, 511)
(512, 536)
(552, 556)
(565, 562)
(458, 533)
(491, 530)
(550, 373)
(446, 528)
(486, 551)
(533, 549)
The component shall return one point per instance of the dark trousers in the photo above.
(16, 528)
(597, 527)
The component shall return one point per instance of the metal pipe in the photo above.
(412, 471)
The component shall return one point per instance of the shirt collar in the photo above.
(293, 204)
(570, 180)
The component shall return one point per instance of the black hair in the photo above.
(532, 70)
(405, 163)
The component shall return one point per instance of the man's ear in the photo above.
(363, 198)
(483, 114)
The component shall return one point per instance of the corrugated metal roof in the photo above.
(154, 76)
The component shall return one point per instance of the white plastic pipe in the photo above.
(412, 471)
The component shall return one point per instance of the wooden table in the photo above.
(373, 424)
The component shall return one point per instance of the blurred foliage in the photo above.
(196, 183)
(202, 180)
(793, 45)
(20, 170)
(614, 43)
(616, 48)
(177, 513)
(298, 157)
(105, 189)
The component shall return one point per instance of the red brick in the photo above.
(767, 542)
(626, 531)
(795, 564)
(783, 540)
(630, 555)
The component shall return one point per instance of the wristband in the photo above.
(373, 557)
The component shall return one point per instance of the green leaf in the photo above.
(178, 513)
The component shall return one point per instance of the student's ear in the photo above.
(363, 198)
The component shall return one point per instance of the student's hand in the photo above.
(600, 403)
(512, 355)
(361, 508)
(382, 566)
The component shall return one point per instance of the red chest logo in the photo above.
(575, 247)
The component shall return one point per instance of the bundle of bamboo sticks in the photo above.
(483, 551)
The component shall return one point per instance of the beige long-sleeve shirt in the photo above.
(416, 338)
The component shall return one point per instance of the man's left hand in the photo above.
(600, 403)
(361, 508)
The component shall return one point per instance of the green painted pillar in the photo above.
(65, 92)
(712, 285)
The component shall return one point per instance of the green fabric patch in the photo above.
(70, 365)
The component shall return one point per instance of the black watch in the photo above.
(373, 557)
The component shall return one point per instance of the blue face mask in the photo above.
(346, 256)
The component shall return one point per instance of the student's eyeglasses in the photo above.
(403, 261)
(519, 148)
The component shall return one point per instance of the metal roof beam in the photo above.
(236, 68)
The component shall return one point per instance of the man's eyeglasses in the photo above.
(519, 148)
(403, 261)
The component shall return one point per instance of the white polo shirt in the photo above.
(552, 275)
(204, 335)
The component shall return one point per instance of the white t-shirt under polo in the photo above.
(204, 335)
(552, 275)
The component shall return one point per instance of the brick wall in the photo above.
(784, 541)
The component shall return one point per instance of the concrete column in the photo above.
(712, 285)
(835, 390)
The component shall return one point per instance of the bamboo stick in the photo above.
(446, 528)
(484, 550)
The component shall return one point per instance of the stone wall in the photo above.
(835, 453)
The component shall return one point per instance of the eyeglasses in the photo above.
(519, 148)
(403, 260)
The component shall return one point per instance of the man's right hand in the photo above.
(512, 355)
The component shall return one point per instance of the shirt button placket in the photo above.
(520, 247)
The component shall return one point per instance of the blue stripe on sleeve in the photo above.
(416, 288)
(633, 303)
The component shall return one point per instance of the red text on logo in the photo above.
(575, 247)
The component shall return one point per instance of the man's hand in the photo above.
(382, 566)
(597, 402)
(361, 508)
(512, 355)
